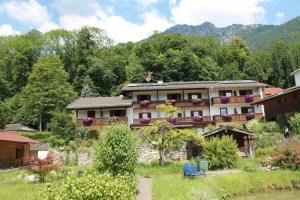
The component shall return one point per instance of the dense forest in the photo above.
(41, 73)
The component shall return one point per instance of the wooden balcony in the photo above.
(237, 118)
(234, 100)
(99, 123)
(179, 103)
(179, 121)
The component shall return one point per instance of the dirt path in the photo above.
(144, 189)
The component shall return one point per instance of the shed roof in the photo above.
(191, 85)
(100, 102)
(14, 137)
(284, 92)
(226, 128)
(18, 127)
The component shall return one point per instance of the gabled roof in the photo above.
(191, 85)
(226, 128)
(284, 92)
(100, 102)
(14, 137)
(272, 90)
(18, 127)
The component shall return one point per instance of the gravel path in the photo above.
(144, 189)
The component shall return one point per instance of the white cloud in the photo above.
(29, 12)
(119, 29)
(279, 17)
(6, 30)
(219, 12)
(146, 3)
(77, 7)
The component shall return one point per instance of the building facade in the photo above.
(201, 103)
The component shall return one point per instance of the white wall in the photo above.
(215, 109)
(297, 78)
(214, 92)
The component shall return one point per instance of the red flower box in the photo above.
(145, 120)
(196, 101)
(250, 116)
(145, 103)
(225, 99)
(87, 121)
(171, 119)
(249, 98)
(227, 117)
(198, 118)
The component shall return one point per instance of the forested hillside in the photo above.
(257, 36)
(41, 73)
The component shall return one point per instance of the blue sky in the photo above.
(133, 20)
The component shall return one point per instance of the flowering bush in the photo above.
(171, 119)
(197, 101)
(250, 116)
(145, 103)
(87, 121)
(42, 167)
(288, 157)
(227, 117)
(225, 99)
(249, 98)
(198, 118)
(145, 120)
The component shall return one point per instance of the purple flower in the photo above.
(145, 103)
(198, 118)
(145, 120)
(88, 120)
(225, 99)
(227, 117)
(250, 116)
(196, 101)
(171, 119)
(249, 98)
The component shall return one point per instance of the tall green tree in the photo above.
(47, 90)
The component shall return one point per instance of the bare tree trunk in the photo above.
(162, 157)
(40, 125)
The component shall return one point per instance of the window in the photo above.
(223, 111)
(194, 96)
(174, 96)
(91, 114)
(179, 114)
(247, 110)
(117, 113)
(143, 97)
(245, 92)
(145, 115)
(19, 153)
(225, 93)
(196, 113)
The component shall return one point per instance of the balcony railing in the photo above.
(235, 99)
(178, 120)
(237, 117)
(102, 121)
(178, 103)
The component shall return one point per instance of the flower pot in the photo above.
(250, 116)
(225, 99)
(87, 121)
(227, 117)
(145, 103)
(171, 119)
(198, 118)
(196, 101)
(145, 121)
(249, 98)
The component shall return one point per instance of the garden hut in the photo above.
(243, 138)
(14, 149)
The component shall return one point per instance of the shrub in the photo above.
(62, 125)
(42, 167)
(295, 123)
(262, 153)
(93, 186)
(288, 157)
(117, 150)
(220, 152)
(248, 164)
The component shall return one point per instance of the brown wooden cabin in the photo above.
(14, 149)
(243, 138)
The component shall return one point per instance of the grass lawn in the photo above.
(169, 183)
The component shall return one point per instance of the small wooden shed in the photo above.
(243, 138)
(14, 149)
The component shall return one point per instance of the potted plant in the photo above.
(171, 101)
(227, 117)
(198, 118)
(249, 98)
(250, 116)
(225, 99)
(87, 121)
(144, 103)
(145, 120)
(171, 119)
(196, 101)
